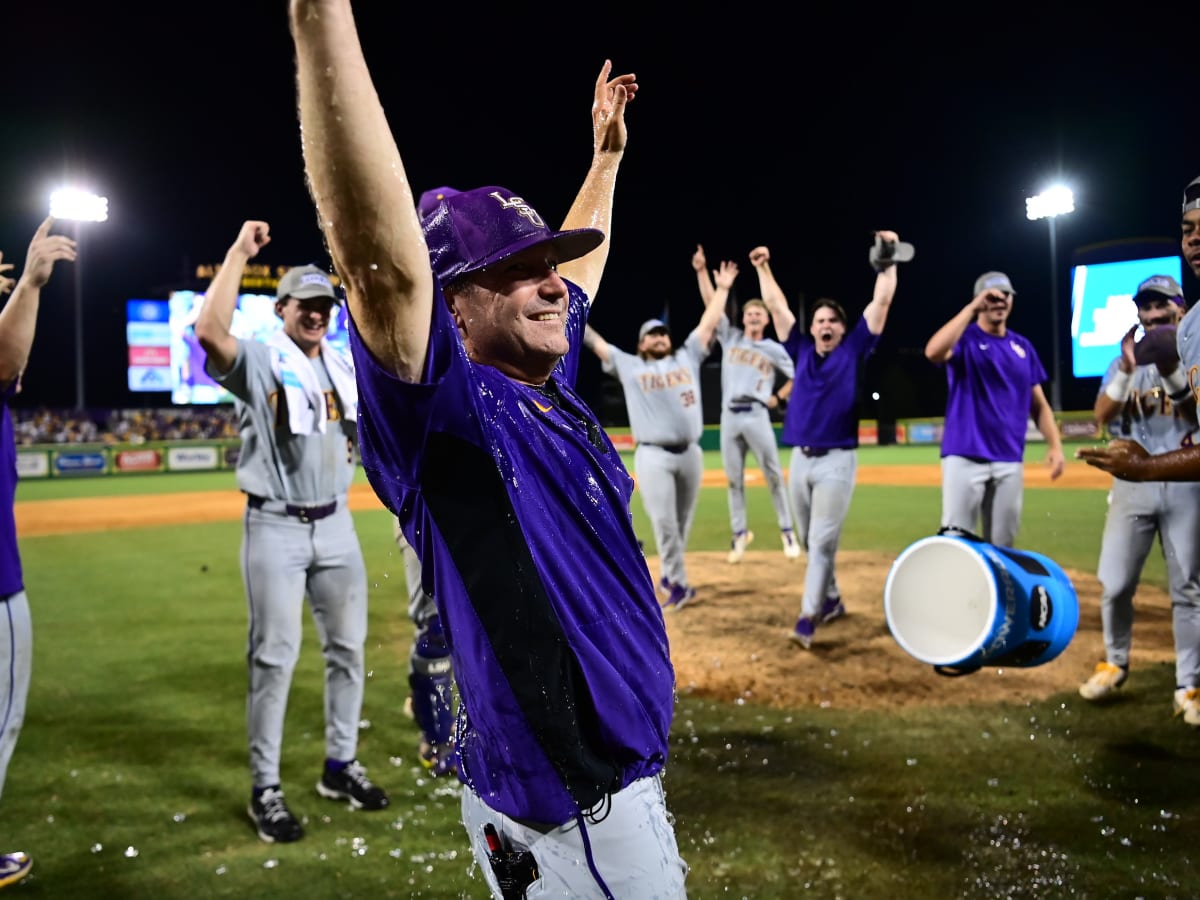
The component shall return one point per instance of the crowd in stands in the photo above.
(123, 426)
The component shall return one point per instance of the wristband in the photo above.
(1118, 389)
(1176, 384)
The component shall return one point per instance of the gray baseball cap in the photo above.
(1191, 195)
(304, 283)
(652, 325)
(994, 280)
(1159, 286)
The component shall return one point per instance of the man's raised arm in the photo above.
(594, 203)
(360, 189)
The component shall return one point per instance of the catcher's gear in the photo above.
(431, 678)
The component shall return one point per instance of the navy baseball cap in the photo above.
(304, 283)
(430, 200)
(1191, 195)
(994, 280)
(652, 325)
(1158, 286)
(469, 230)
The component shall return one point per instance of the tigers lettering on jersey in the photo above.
(744, 356)
(333, 412)
(654, 381)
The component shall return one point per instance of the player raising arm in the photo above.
(466, 333)
(18, 323)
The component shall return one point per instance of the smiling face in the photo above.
(1190, 241)
(512, 314)
(655, 344)
(754, 319)
(828, 328)
(305, 321)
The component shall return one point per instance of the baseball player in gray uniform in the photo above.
(751, 364)
(1129, 460)
(662, 395)
(297, 408)
(1142, 403)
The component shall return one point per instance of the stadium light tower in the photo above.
(1051, 203)
(78, 206)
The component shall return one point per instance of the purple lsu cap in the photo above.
(1158, 286)
(430, 200)
(469, 230)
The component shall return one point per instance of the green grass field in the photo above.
(130, 777)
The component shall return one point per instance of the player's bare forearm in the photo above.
(360, 189)
(593, 208)
(18, 324)
(18, 318)
(593, 204)
(1105, 410)
(772, 295)
(216, 315)
(877, 310)
(595, 343)
(940, 347)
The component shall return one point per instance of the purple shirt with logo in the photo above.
(823, 408)
(517, 504)
(991, 381)
(10, 556)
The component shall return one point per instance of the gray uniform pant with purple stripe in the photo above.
(16, 665)
(1137, 513)
(284, 560)
(983, 497)
(670, 486)
(821, 488)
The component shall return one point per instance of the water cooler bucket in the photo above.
(959, 603)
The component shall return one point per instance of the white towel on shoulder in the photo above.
(302, 388)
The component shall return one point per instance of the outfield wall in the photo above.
(88, 460)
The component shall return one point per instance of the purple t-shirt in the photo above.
(991, 381)
(823, 407)
(10, 556)
(517, 504)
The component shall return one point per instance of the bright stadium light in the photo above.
(1055, 201)
(78, 206)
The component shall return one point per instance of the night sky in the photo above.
(803, 133)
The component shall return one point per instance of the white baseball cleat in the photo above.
(791, 546)
(1104, 681)
(1187, 704)
(740, 542)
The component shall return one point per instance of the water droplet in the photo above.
(131, 852)
(96, 848)
(271, 864)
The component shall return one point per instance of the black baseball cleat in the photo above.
(272, 818)
(351, 783)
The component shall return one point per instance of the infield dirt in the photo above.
(731, 642)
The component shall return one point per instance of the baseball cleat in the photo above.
(738, 545)
(803, 633)
(665, 585)
(831, 609)
(440, 759)
(272, 818)
(1187, 704)
(351, 783)
(14, 866)
(681, 596)
(791, 546)
(1104, 681)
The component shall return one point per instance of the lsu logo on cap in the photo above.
(522, 208)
